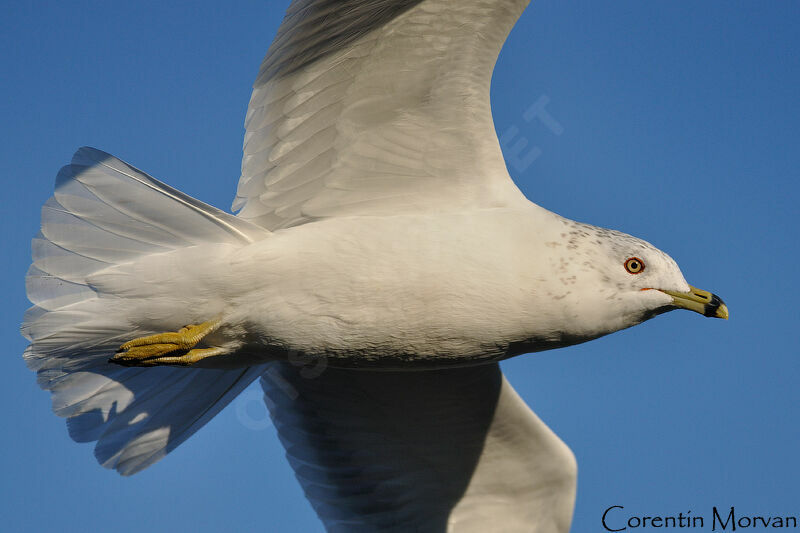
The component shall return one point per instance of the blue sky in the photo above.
(676, 122)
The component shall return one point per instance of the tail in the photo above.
(105, 212)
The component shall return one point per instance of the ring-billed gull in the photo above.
(378, 229)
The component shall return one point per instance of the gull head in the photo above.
(612, 280)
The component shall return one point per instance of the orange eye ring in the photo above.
(634, 265)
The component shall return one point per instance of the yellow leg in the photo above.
(171, 348)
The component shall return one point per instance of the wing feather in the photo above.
(376, 107)
(451, 450)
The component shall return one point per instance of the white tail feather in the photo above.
(105, 212)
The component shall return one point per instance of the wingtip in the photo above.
(88, 156)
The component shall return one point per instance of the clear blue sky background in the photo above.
(680, 125)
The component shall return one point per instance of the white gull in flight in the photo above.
(380, 239)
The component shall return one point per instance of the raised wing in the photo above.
(433, 451)
(376, 107)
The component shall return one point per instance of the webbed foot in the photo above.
(175, 348)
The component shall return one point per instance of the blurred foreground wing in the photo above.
(376, 107)
(452, 450)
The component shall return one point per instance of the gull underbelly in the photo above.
(364, 292)
(368, 291)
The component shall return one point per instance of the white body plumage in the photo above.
(405, 291)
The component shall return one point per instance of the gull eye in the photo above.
(634, 265)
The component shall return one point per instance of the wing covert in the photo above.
(376, 107)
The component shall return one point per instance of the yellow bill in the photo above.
(699, 301)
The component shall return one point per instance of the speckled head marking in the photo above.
(603, 280)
